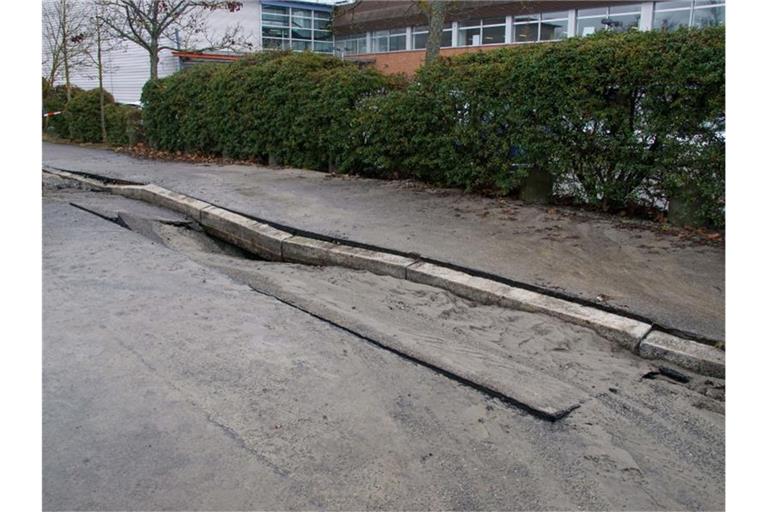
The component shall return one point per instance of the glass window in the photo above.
(552, 30)
(493, 35)
(710, 17)
(470, 23)
(397, 43)
(320, 15)
(500, 20)
(446, 40)
(301, 22)
(300, 46)
(677, 4)
(301, 12)
(526, 29)
(419, 41)
(322, 35)
(562, 15)
(275, 44)
(469, 36)
(301, 34)
(323, 47)
(322, 24)
(380, 43)
(624, 9)
(601, 11)
(272, 19)
(671, 20)
(625, 22)
(268, 9)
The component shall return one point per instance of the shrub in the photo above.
(55, 100)
(83, 118)
(617, 119)
(296, 107)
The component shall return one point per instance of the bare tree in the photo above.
(64, 48)
(153, 24)
(435, 11)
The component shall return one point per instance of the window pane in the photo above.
(397, 31)
(419, 41)
(500, 20)
(526, 19)
(274, 44)
(672, 20)
(711, 17)
(679, 4)
(320, 15)
(588, 26)
(301, 34)
(562, 15)
(271, 19)
(380, 44)
(397, 43)
(552, 30)
(700, 3)
(493, 35)
(301, 22)
(624, 9)
(322, 35)
(592, 12)
(274, 32)
(526, 32)
(302, 12)
(470, 23)
(469, 37)
(625, 22)
(322, 24)
(446, 40)
(420, 29)
(323, 47)
(301, 45)
(274, 10)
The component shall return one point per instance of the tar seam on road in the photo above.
(450, 375)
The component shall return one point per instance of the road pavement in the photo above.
(173, 378)
(622, 263)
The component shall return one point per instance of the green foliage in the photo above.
(617, 119)
(82, 118)
(55, 100)
(297, 107)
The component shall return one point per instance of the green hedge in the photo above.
(618, 119)
(296, 108)
(81, 120)
(55, 100)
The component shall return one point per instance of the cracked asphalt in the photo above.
(168, 383)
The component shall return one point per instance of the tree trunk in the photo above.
(102, 114)
(436, 15)
(65, 49)
(154, 58)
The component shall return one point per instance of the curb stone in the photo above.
(694, 356)
(623, 330)
(260, 238)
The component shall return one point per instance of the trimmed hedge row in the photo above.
(293, 108)
(81, 120)
(617, 119)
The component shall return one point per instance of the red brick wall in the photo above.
(408, 62)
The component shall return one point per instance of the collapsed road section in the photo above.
(271, 243)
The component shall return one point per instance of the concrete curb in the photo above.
(696, 357)
(278, 245)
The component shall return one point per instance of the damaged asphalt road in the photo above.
(170, 383)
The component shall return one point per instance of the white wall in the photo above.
(127, 68)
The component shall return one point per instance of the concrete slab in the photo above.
(260, 239)
(694, 356)
(316, 252)
(625, 331)
(174, 201)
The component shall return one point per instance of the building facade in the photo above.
(391, 35)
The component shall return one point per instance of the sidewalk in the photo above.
(676, 283)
